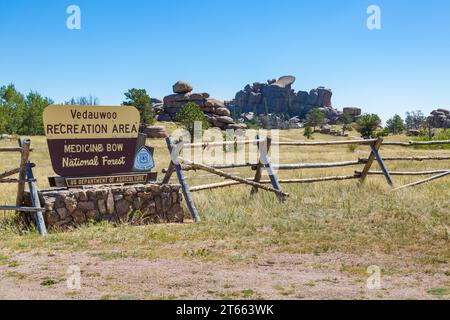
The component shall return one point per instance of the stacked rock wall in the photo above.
(137, 204)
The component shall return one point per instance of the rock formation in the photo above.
(440, 118)
(278, 97)
(355, 113)
(217, 114)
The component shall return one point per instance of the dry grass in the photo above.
(325, 217)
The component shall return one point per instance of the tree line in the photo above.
(370, 125)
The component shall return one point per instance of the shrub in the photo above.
(308, 132)
(382, 133)
(352, 148)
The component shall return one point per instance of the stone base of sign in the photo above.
(137, 205)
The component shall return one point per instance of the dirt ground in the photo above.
(40, 275)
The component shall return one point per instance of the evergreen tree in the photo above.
(142, 101)
(315, 118)
(33, 122)
(83, 101)
(395, 125)
(346, 121)
(368, 124)
(188, 115)
(19, 114)
(414, 120)
(12, 105)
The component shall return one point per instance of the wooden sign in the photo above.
(91, 140)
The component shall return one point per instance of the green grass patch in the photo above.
(48, 282)
(439, 292)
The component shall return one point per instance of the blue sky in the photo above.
(219, 46)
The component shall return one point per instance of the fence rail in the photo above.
(417, 143)
(13, 149)
(416, 173)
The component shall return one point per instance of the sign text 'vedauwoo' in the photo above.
(91, 140)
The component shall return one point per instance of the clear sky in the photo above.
(221, 45)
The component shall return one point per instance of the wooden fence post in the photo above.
(26, 174)
(169, 172)
(382, 164)
(375, 155)
(182, 180)
(264, 160)
(25, 153)
(260, 165)
(39, 218)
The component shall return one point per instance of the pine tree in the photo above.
(315, 118)
(395, 125)
(142, 101)
(188, 115)
(367, 125)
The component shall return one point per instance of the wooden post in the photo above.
(169, 172)
(382, 165)
(259, 166)
(24, 146)
(38, 216)
(375, 146)
(171, 169)
(264, 159)
(183, 183)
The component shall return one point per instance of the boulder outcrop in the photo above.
(440, 118)
(217, 114)
(355, 113)
(278, 97)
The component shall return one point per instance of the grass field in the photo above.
(318, 244)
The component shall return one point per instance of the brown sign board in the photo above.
(86, 141)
